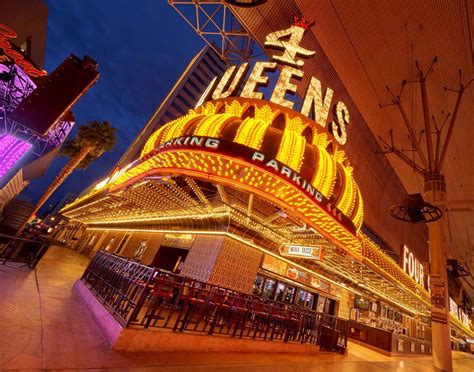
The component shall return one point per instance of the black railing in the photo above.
(26, 251)
(140, 296)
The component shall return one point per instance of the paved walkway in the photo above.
(44, 325)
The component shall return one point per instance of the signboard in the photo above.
(277, 266)
(453, 308)
(438, 300)
(412, 266)
(289, 250)
(274, 265)
(13, 54)
(317, 99)
(239, 151)
(178, 240)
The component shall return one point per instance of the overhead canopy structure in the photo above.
(221, 169)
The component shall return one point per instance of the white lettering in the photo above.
(212, 143)
(196, 141)
(406, 252)
(411, 265)
(297, 178)
(258, 156)
(286, 171)
(273, 164)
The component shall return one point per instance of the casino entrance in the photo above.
(170, 258)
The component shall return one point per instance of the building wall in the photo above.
(199, 263)
(380, 186)
(154, 243)
(346, 301)
(103, 238)
(29, 19)
(236, 266)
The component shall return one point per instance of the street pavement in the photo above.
(45, 326)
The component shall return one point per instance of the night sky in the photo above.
(142, 47)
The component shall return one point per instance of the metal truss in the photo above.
(215, 22)
(15, 86)
(40, 144)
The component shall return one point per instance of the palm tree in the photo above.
(92, 140)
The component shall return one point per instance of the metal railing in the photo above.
(141, 296)
(21, 250)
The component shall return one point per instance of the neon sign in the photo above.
(317, 101)
(412, 266)
(235, 150)
(10, 54)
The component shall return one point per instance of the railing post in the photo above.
(141, 300)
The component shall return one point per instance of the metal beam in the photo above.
(218, 26)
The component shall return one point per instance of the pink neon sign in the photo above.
(11, 151)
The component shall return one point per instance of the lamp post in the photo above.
(435, 194)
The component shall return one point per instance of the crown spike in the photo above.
(302, 22)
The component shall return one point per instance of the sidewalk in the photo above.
(44, 325)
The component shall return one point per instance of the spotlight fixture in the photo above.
(414, 209)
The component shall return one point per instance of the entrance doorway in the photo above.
(170, 258)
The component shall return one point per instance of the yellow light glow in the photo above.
(212, 126)
(291, 149)
(256, 79)
(314, 99)
(251, 133)
(284, 85)
(291, 48)
(226, 87)
(206, 122)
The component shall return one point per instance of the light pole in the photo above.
(435, 194)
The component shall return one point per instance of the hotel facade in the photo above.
(282, 195)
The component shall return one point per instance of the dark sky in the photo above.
(142, 46)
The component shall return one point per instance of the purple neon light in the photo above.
(11, 151)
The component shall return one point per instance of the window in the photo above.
(188, 92)
(196, 76)
(258, 285)
(194, 85)
(26, 46)
(183, 101)
(214, 69)
(269, 289)
(140, 250)
(304, 299)
(177, 108)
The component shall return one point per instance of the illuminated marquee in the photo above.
(317, 101)
(235, 150)
(11, 54)
(262, 148)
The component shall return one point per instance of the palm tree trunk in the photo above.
(60, 178)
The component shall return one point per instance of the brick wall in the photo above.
(199, 263)
(236, 266)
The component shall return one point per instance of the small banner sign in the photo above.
(178, 240)
(311, 252)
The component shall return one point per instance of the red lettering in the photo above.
(14, 54)
(5, 33)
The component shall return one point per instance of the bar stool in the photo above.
(162, 294)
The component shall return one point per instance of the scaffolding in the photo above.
(219, 27)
